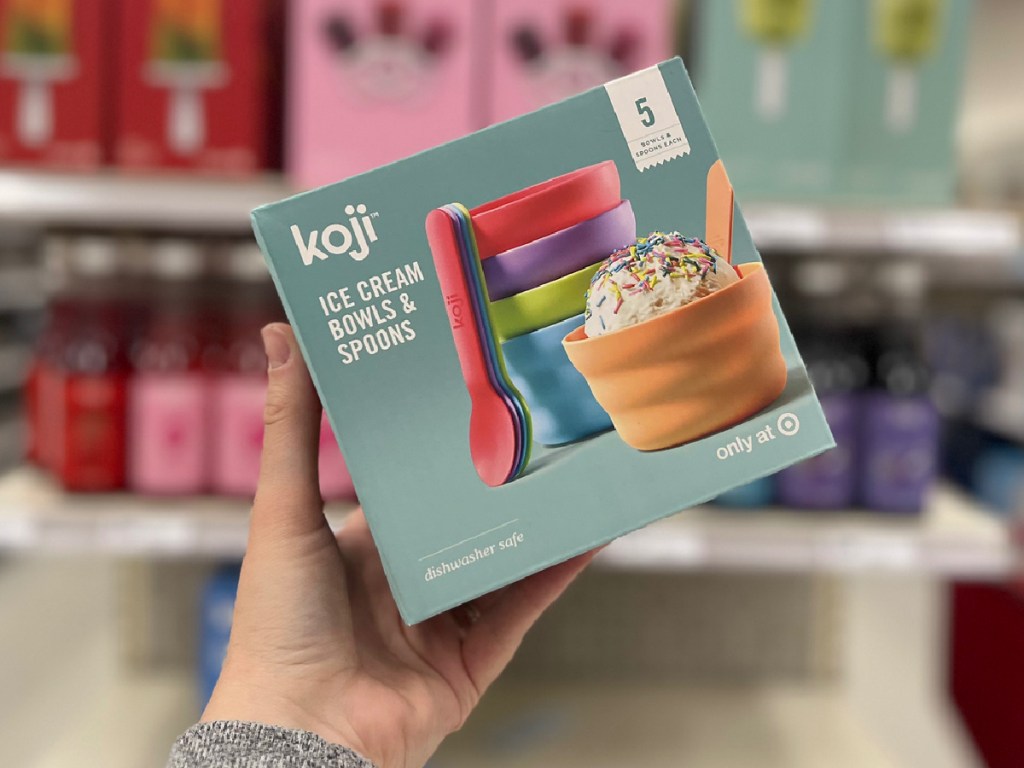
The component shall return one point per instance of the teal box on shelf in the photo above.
(905, 83)
(772, 79)
(387, 282)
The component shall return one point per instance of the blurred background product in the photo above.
(851, 101)
(542, 51)
(53, 82)
(859, 609)
(196, 84)
(392, 77)
(906, 83)
(770, 76)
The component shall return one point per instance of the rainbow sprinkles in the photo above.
(659, 272)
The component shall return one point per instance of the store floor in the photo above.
(65, 699)
(68, 702)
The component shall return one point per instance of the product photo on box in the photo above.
(526, 354)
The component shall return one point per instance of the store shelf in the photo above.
(925, 232)
(111, 200)
(954, 537)
(1001, 412)
(36, 515)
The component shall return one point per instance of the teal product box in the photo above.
(773, 79)
(905, 83)
(677, 380)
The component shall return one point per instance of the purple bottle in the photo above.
(900, 431)
(838, 371)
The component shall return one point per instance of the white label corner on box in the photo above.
(647, 117)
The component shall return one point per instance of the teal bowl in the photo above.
(561, 404)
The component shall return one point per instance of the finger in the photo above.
(503, 620)
(288, 491)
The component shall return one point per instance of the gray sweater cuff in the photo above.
(233, 744)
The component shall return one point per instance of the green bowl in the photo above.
(542, 306)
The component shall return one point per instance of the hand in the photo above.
(317, 641)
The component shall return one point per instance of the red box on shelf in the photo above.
(195, 86)
(51, 77)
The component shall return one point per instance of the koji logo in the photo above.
(454, 303)
(353, 238)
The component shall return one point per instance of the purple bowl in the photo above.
(560, 254)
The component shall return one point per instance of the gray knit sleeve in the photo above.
(232, 744)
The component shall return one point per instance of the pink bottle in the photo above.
(239, 387)
(335, 481)
(168, 395)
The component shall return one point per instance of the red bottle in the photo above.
(91, 374)
(44, 382)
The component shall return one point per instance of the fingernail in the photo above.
(276, 345)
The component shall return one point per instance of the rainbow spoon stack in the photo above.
(531, 256)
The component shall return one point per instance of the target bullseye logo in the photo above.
(788, 424)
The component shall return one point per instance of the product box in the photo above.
(196, 84)
(773, 80)
(904, 81)
(51, 72)
(494, 418)
(542, 51)
(371, 81)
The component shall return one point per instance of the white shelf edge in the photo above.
(955, 536)
(108, 199)
(925, 232)
(181, 202)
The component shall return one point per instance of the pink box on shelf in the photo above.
(372, 81)
(543, 51)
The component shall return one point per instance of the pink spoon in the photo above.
(492, 423)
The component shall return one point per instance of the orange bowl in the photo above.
(690, 372)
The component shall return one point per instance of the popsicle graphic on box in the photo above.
(37, 52)
(906, 32)
(186, 59)
(777, 25)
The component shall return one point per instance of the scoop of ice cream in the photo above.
(656, 274)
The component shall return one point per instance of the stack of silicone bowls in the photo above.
(538, 248)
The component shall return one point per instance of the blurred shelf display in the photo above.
(14, 361)
(1001, 412)
(182, 203)
(955, 536)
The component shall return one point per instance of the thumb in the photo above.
(288, 492)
